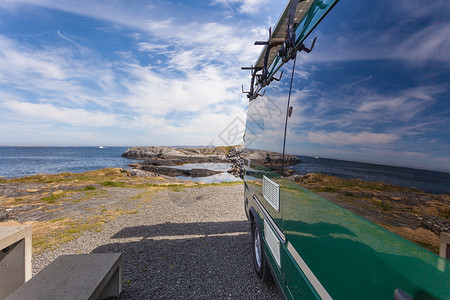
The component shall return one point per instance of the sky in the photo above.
(127, 72)
(131, 73)
(374, 89)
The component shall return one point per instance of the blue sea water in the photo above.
(25, 161)
(424, 180)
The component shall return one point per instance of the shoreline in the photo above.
(60, 201)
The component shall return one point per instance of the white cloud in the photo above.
(44, 113)
(405, 104)
(245, 6)
(430, 42)
(191, 96)
(350, 138)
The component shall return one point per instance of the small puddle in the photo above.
(221, 177)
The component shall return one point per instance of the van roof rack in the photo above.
(285, 40)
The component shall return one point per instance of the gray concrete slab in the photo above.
(86, 276)
(15, 257)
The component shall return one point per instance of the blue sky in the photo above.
(126, 72)
(168, 73)
(378, 85)
(374, 89)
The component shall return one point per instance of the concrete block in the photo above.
(86, 276)
(15, 257)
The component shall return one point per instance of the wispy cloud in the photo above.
(408, 31)
(192, 70)
(349, 138)
(67, 38)
(244, 6)
(47, 113)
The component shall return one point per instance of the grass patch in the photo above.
(384, 206)
(177, 189)
(325, 189)
(56, 220)
(225, 183)
(318, 181)
(88, 188)
(53, 197)
(446, 214)
(143, 194)
(109, 174)
(112, 184)
(49, 235)
(89, 195)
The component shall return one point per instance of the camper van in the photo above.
(347, 184)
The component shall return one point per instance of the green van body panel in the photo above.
(352, 258)
(327, 251)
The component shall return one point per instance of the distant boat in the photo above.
(101, 147)
(316, 157)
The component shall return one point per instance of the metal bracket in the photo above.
(279, 78)
(307, 50)
(290, 37)
(271, 42)
(287, 52)
(252, 83)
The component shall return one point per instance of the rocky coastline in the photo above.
(161, 160)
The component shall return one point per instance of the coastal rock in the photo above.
(173, 172)
(159, 159)
(141, 173)
(150, 152)
(271, 159)
(435, 224)
(3, 214)
(176, 155)
(236, 157)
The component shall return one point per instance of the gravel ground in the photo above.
(193, 243)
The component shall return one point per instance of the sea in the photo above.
(428, 181)
(25, 161)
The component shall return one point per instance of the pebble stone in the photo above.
(190, 243)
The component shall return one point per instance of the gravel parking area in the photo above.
(186, 243)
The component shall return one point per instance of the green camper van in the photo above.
(347, 184)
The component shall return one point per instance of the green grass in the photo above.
(53, 197)
(88, 188)
(113, 184)
(225, 183)
(108, 174)
(177, 189)
(384, 206)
